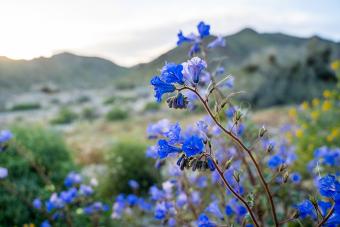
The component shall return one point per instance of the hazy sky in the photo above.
(133, 31)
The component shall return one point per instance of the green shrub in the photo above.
(25, 106)
(65, 116)
(126, 160)
(44, 148)
(109, 100)
(117, 114)
(152, 106)
(89, 113)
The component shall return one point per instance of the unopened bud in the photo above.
(228, 164)
(236, 176)
(262, 131)
(295, 214)
(282, 167)
(270, 148)
(313, 200)
(285, 177)
(237, 116)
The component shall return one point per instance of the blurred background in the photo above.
(74, 78)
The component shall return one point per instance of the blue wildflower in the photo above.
(156, 193)
(324, 206)
(334, 219)
(172, 222)
(329, 186)
(306, 209)
(219, 70)
(143, 205)
(214, 209)
(218, 42)
(193, 145)
(3, 172)
(132, 199)
(133, 184)
(203, 29)
(182, 38)
(69, 195)
(172, 73)
(160, 211)
(85, 190)
(203, 221)
(295, 177)
(161, 87)
(37, 203)
(193, 69)
(195, 48)
(5, 136)
(72, 178)
(95, 207)
(45, 224)
(275, 161)
(152, 152)
(211, 164)
(164, 149)
(181, 199)
(173, 134)
(228, 210)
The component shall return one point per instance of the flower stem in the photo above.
(240, 143)
(235, 193)
(324, 220)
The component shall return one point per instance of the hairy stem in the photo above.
(324, 220)
(240, 143)
(235, 193)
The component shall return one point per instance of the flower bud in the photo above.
(237, 116)
(313, 200)
(285, 177)
(270, 148)
(282, 167)
(228, 164)
(262, 131)
(236, 176)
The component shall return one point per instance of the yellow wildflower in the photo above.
(335, 65)
(299, 133)
(292, 112)
(315, 102)
(327, 105)
(315, 115)
(304, 105)
(327, 94)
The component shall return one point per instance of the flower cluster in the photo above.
(76, 195)
(5, 137)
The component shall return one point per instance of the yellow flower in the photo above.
(335, 65)
(304, 126)
(327, 94)
(289, 136)
(334, 133)
(299, 133)
(304, 105)
(327, 105)
(315, 102)
(292, 112)
(314, 115)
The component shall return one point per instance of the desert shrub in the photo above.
(126, 160)
(25, 106)
(44, 148)
(116, 114)
(109, 100)
(65, 116)
(89, 113)
(152, 106)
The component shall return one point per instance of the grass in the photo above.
(25, 106)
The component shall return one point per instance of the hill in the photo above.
(250, 55)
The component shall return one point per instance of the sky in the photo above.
(129, 32)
